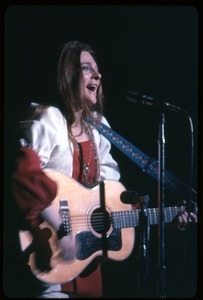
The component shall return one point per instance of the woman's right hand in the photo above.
(66, 241)
(67, 244)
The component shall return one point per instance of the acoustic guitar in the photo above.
(99, 222)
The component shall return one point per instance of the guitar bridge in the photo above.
(65, 228)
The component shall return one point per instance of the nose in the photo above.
(96, 75)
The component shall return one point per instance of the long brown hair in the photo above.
(69, 74)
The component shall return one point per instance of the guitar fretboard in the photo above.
(130, 218)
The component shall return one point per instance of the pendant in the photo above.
(86, 169)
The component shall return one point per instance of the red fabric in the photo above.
(32, 189)
(89, 287)
(88, 156)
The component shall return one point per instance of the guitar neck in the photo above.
(130, 218)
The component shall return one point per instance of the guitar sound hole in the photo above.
(100, 221)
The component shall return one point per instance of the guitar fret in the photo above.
(169, 214)
(125, 219)
(130, 218)
(153, 216)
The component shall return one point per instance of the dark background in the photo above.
(150, 49)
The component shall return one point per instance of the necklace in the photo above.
(86, 165)
(86, 158)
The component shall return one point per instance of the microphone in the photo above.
(138, 98)
(132, 197)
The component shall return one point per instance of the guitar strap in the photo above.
(147, 164)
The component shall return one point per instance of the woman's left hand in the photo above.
(183, 218)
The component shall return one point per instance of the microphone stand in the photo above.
(161, 199)
(143, 258)
(136, 97)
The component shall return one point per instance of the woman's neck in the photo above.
(79, 133)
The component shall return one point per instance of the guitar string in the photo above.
(170, 213)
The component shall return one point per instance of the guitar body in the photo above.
(84, 208)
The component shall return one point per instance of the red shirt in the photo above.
(88, 156)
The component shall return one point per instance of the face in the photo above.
(90, 80)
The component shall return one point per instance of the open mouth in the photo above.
(92, 87)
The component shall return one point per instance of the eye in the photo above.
(86, 68)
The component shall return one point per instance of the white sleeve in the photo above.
(45, 135)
